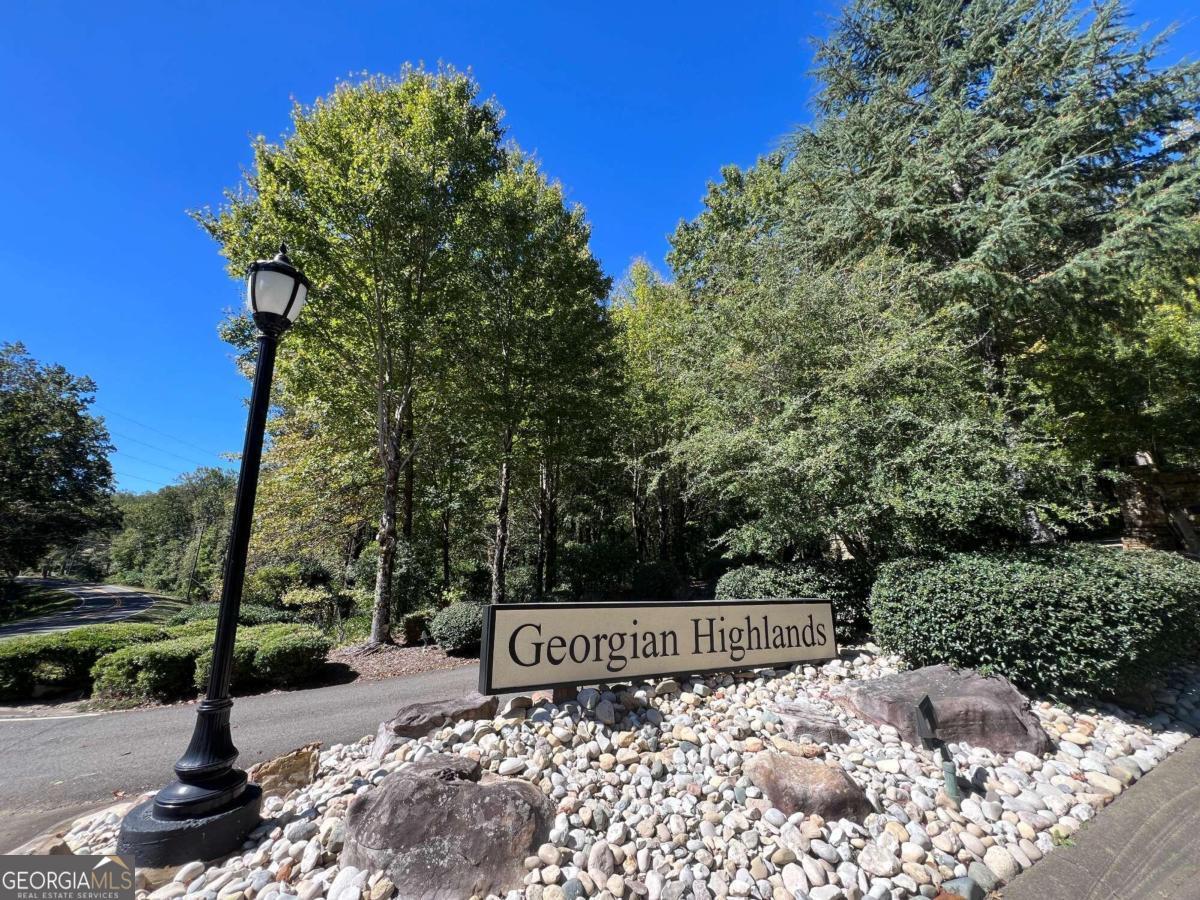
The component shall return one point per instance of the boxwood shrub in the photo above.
(458, 628)
(416, 623)
(276, 655)
(249, 614)
(846, 584)
(289, 655)
(162, 670)
(1066, 621)
(63, 660)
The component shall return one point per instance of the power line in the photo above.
(178, 440)
(173, 470)
(140, 478)
(161, 449)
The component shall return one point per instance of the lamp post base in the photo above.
(155, 842)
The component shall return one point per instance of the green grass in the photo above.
(23, 600)
(162, 610)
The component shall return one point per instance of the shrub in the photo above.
(847, 584)
(654, 581)
(1066, 621)
(244, 671)
(63, 661)
(249, 614)
(278, 655)
(289, 655)
(520, 584)
(416, 623)
(163, 670)
(458, 628)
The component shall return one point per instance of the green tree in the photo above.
(371, 191)
(533, 339)
(55, 478)
(1021, 163)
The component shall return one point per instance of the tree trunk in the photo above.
(552, 532)
(500, 555)
(664, 517)
(539, 578)
(409, 471)
(381, 616)
(1035, 529)
(638, 516)
(446, 550)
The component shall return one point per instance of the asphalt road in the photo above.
(98, 604)
(55, 768)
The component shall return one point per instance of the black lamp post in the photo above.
(209, 808)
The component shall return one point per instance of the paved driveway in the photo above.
(55, 767)
(98, 603)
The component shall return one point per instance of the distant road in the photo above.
(52, 768)
(98, 603)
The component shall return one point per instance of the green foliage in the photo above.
(248, 614)
(417, 623)
(173, 539)
(847, 584)
(162, 670)
(1068, 621)
(55, 479)
(595, 568)
(288, 656)
(276, 655)
(654, 581)
(63, 660)
(458, 628)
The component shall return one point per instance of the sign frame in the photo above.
(486, 660)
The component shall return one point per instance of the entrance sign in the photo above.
(540, 645)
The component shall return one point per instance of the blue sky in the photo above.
(117, 118)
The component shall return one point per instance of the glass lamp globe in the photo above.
(275, 292)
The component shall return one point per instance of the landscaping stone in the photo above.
(438, 834)
(661, 802)
(794, 784)
(981, 711)
(804, 720)
(418, 719)
(280, 776)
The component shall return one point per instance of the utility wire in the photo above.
(160, 449)
(172, 469)
(110, 412)
(140, 478)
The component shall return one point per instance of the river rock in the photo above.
(982, 711)
(795, 784)
(800, 719)
(280, 776)
(418, 719)
(438, 834)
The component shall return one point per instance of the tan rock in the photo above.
(280, 776)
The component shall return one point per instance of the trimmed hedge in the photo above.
(63, 661)
(416, 623)
(276, 655)
(458, 628)
(249, 614)
(1066, 621)
(290, 656)
(847, 584)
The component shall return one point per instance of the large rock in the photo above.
(794, 784)
(983, 711)
(418, 719)
(801, 719)
(438, 834)
(280, 776)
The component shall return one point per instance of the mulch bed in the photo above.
(388, 662)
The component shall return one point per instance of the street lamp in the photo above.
(209, 809)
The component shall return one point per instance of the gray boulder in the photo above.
(800, 719)
(793, 784)
(438, 834)
(983, 711)
(418, 719)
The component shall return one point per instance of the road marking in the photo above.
(44, 718)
